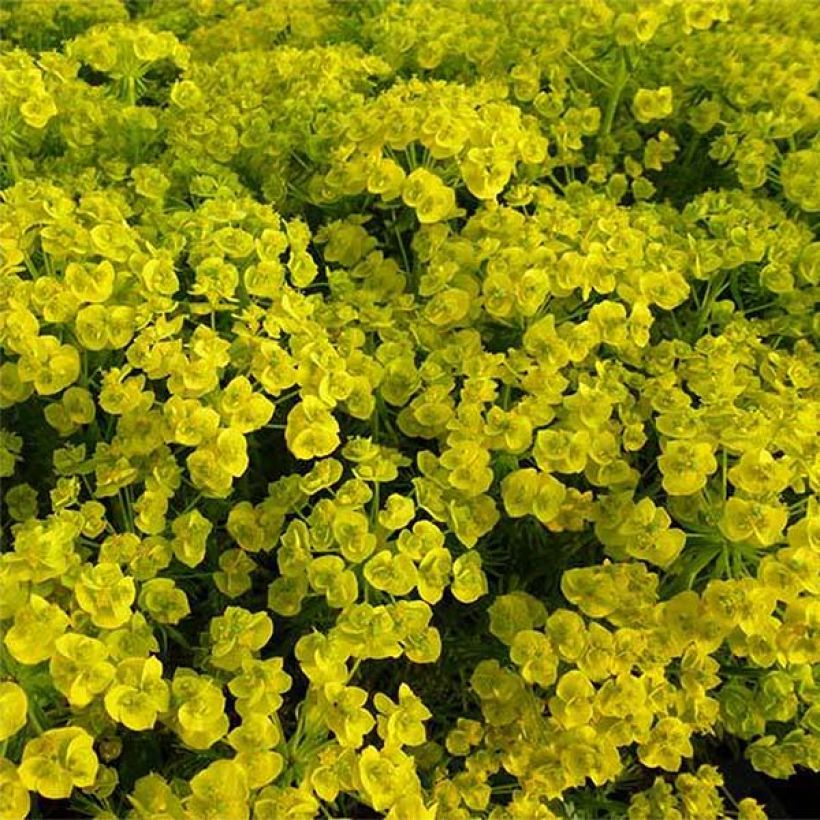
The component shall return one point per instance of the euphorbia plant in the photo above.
(407, 408)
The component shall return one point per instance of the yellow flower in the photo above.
(469, 580)
(758, 473)
(237, 634)
(311, 430)
(398, 512)
(750, 809)
(58, 761)
(485, 172)
(327, 575)
(293, 803)
(219, 792)
(386, 775)
(286, 593)
(138, 693)
(36, 627)
(501, 692)
(15, 803)
(51, 366)
(259, 687)
(342, 709)
(242, 409)
(90, 284)
(191, 531)
(468, 733)
(568, 633)
(396, 574)
(402, 724)
(650, 104)
(232, 451)
(667, 744)
(648, 537)
(420, 641)
(164, 601)
(762, 524)
(79, 668)
(38, 109)
(13, 709)
(518, 491)
(351, 530)
(572, 704)
(432, 200)
(685, 466)
(255, 733)
(106, 594)
(548, 499)
(234, 576)
(433, 574)
(562, 451)
(386, 179)
(412, 807)
(152, 798)
(533, 653)
(45, 548)
(513, 613)
(200, 719)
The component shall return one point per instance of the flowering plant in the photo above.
(409, 409)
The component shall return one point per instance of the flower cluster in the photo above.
(408, 408)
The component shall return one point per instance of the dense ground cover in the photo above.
(409, 409)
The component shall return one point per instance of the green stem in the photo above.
(374, 510)
(587, 69)
(690, 151)
(505, 396)
(555, 181)
(125, 512)
(710, 553)
(285, 396)
(191, 505)
(615, 97)
(404, 256)
(177, 636)
(131, 90)
(724, 463)
(11, 164)
(35, 717)
(374, 422)
(712, 292)
(31, 267)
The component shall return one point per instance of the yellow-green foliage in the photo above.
(409, 409)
